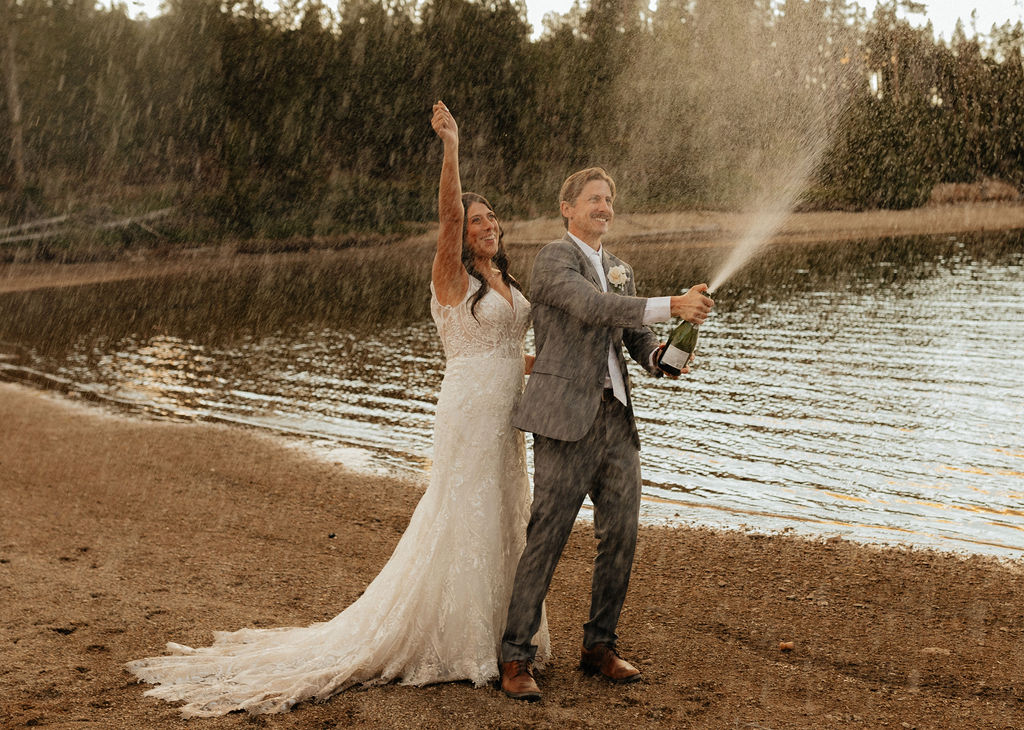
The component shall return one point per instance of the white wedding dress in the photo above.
(436, 611)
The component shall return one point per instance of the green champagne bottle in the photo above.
(681, 344)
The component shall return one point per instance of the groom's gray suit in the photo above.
(585, 440)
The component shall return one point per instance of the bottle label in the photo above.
(674, 357)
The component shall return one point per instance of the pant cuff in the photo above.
(517, 652)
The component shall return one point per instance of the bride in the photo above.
(436, 611)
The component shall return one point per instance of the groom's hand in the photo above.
(657, 361)
(693, 306)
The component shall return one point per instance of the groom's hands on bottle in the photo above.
(694, 305)
(656, 358)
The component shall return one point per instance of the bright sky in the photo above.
(942, 13)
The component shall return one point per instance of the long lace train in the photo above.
(436, 611)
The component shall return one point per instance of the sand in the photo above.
(693, 228)
(120, 534)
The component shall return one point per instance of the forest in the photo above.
(311, 120)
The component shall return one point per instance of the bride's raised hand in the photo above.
(444, 124)
(448, 275)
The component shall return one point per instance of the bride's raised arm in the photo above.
(448, 274)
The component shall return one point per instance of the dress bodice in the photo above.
(497, 330)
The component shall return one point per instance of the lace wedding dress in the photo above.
(436, 611)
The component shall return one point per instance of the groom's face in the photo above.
(590, 216)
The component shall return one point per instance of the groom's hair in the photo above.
(574, 184)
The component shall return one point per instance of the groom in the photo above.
(577, 405)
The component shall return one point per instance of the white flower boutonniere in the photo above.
(618, 277)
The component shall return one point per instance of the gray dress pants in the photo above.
(605, 464)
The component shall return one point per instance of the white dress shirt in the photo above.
(657, 309)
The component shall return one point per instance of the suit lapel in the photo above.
(606, 264)
(585, 266)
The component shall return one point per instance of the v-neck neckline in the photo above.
(510, 302)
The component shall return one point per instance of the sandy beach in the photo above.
(671, 231)
(120, 534)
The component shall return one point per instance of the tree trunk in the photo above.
(13, 96)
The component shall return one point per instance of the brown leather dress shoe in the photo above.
(517, 681)
(604, 660)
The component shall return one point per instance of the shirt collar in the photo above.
(588, 250)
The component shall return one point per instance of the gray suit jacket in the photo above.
(574, 321)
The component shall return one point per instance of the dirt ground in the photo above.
(119, 534)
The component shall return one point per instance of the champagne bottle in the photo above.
(681, 344)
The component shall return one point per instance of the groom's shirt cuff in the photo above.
(658, 309)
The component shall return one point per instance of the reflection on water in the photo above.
(872, 390)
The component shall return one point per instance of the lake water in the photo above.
(873, 390)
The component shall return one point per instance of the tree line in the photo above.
(312, 120)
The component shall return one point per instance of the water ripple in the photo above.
(829, 401)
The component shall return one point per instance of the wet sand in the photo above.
(119, 534)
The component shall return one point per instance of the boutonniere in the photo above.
(618, 277)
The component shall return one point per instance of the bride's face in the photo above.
(481, 230)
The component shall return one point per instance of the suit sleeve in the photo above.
(641, 342)
(559, 282)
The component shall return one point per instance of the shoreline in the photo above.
(722, 228)
(121, 534)
(694, 229)
(359, 461)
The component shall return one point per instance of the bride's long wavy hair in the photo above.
(500, 258)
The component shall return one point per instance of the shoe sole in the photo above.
(524, 696)
(595, 672)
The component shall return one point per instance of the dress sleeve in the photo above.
(440, 312)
